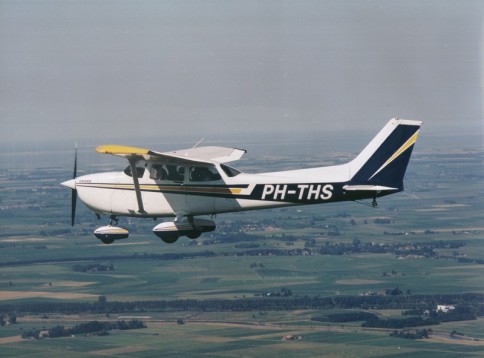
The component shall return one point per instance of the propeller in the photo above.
(71, 184)
(74, 191)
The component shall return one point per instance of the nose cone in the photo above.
(70, 184)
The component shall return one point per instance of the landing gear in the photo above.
(106, 240)
(170, 231)
(108, 234)
(194, 234)
(374, 204)
(113, 220)
(169, 239)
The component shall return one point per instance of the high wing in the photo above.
(208, 155)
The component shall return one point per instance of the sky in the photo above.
(123, 70)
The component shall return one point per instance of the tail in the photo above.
(383, 162)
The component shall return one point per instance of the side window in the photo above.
(175, 173)
(158, 172)
(202, 174)
(139, 170)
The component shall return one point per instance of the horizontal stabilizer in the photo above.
(376, 188)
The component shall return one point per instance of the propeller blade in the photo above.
(73, 206)
(74, 191)
(74, 176)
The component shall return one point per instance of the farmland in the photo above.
(426, 241)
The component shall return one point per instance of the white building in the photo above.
(444, 308)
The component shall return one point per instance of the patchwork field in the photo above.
(223, 338)
(335, 250)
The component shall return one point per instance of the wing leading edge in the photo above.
(207, 155)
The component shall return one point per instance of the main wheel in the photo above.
(194, 235)
(169, 239)
(107, 241)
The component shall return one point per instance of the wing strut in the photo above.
(134, 173)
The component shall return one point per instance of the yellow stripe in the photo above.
(115, 231)
(121, 150)
(400, 150)
(118, 231)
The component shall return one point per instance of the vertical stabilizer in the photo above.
(384, 160)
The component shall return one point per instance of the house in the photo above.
(444, 308)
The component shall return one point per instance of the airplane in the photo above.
(189, 183)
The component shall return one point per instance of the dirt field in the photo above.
(13, 339)
(14, 295)
(448, 340)
(122, 350)
(358, 282)
(67, 284)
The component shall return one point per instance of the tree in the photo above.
(395, 292)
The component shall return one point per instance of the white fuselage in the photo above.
(113, 193)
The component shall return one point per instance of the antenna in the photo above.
(196, 145)
(200, 141)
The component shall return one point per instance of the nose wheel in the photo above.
(108, 234)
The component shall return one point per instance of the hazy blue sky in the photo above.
(120, 69)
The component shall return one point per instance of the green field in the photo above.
(220, 336)
(443, 201)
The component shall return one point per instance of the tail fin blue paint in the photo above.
(384, 160)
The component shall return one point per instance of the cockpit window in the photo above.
(199, 174)
(231, 172)
(139, 170)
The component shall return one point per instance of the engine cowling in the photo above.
(108, 234)
(170, 231)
